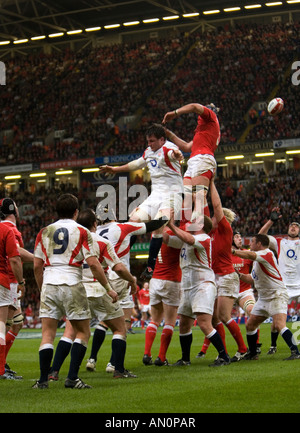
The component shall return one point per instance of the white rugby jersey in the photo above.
(195, 262)
(266, 275)
(119, 235)
(289, 261)
(63, 245)
(106, 255)
(165, 171)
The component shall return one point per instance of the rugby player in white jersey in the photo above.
(199, 289)
(109, 314)
(272, 295)
(120, 235)
(163, 161)
(60, 251)
(288, 252)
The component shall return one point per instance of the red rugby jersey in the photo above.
(244, 267)
(207, 134)
(20, 243)
(8, 249)
(221, 248)
(167, 266)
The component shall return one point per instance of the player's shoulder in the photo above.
(169, 145)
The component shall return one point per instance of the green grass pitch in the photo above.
(269, 385)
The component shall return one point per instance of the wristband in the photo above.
(107, 287)
(176, 114)
(22, 283)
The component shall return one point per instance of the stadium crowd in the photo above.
(79, 93)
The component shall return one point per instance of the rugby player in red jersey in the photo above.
(164, 297)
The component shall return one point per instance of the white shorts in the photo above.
(5, 297)
(168, 292)
(127, 302)
(198, 300)
(268, 308)
(102, 308)
(145, 308)
(70, 301)
(121, 287)
(159, 200)
(199, 164)
(228, 285)
(15, 301)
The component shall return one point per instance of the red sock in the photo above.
(2, 359)
(143, 323)
(235, 331)
(257, 342)
(221, 330)
(149, 337)
(165, 340)
(205, 345)
(10, 338)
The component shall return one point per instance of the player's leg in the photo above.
(251, 330)
(247, 303)
(49, 328)
(170, 316)
(118, 345)
(82, 335)
(151, 330)
(279, 321)
(204, 321)
(3, 319)
(186, 339)
(63, 349)
(200, 189)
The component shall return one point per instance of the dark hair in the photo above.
(263, 239)
(66, 206)
(157, 130)
(87, 218)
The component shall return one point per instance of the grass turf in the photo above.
(265, 386)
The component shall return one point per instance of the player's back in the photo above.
(167, 266)
(63, 245)
(119, 235)
(207, 134)
(221, 248)
(195, 261)
(266, 275)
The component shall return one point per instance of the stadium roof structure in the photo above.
(24, 20)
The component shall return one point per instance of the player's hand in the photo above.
(133, 288)
(168, 117)
(178, 155)
(106, 169)
(113, 295)
(275, 214)
(21, 290)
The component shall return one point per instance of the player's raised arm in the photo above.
(185, 109)
(182, 144)
(131, 166)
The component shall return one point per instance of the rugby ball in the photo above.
(275, 106)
